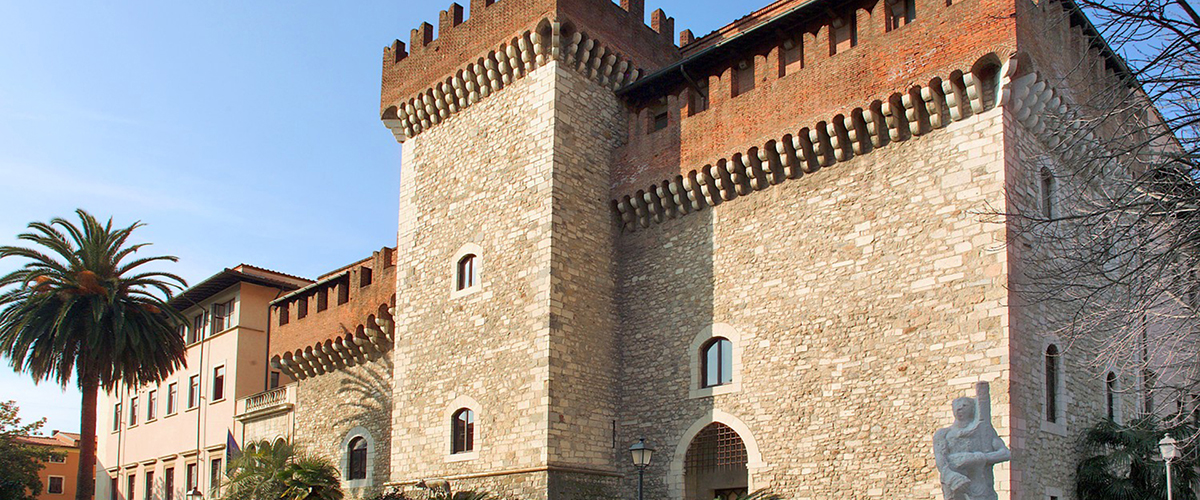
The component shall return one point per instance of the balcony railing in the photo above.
(281, 398)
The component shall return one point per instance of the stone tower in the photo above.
(506, 272)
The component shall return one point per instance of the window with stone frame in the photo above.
(716, 358)
(218, 383)
(1052, 374)
(465, 273)
(55, 485)
(116, 417)
(462, 431)
(357, 451)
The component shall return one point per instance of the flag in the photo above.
(231, 447)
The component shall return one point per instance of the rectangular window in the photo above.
(301, 307)
(343, 290)
(322, 299)
(214, 480)
(843, 33)
(189, 482)
(133, 411)
(900, 13)
(283, 314)
(658, 115)
(186, 334)
(743, 77)
(149, 492)
(193, 391)
(113, 494)
(59, 459)
(791, 56)
(130, 486)
(169, 483)
(364, 276)
(55, 485)
(199, 323)
(274, 380)
(151, 405)
(116, 417)
(222, 316)
(172, 397)
(698, 97)
(218, 381)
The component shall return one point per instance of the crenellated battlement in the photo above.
(503, 30)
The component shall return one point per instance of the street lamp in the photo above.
(1169, 452)
(641, 459)
(195, 494)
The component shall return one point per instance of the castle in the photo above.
(764, 251)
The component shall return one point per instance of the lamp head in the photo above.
(641, 454)
(1168, 448)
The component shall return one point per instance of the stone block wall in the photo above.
(482, 179)
(862, 299)
(333, 408)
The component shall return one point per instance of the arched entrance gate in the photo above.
(715, 465)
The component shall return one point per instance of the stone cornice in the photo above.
(903, 115)
(552, 40)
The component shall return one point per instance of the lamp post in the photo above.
(195, 494)
(1169, 452)
(641, 459)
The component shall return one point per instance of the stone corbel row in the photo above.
(368, 342)
(1035, 103)
(902, 116)
(499, 68)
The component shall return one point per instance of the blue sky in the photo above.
(237, 131)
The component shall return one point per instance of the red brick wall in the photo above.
(337, 320)
(941, 39)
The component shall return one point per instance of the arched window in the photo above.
(466, 272)
(717, 362)
(357, 449)
(1047, 188)
(1052, 370)
(1110, 395)
(463, 437)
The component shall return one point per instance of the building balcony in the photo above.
(267, 403)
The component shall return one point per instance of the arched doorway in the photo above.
(715, 465)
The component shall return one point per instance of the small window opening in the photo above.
(743, 77)
(717, 362)
(364, 276)
(322, 299)
(301, 307)
(791, 56)
(284, 313)
(466, 272)
(1052, 374)
(658, 115)
(1047, 192)
(843, 33)
(698, 97)
(358, 459)
(274, 383)
(463, 423)
(1110, 395)
(343, 291)
(900, 13)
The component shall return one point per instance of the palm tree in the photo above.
(278, 471)
(1121, 462)
(78, 308)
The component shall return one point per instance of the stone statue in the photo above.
(967, 450)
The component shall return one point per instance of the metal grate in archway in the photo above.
(716, 446)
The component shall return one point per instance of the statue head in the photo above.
(964, 409)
